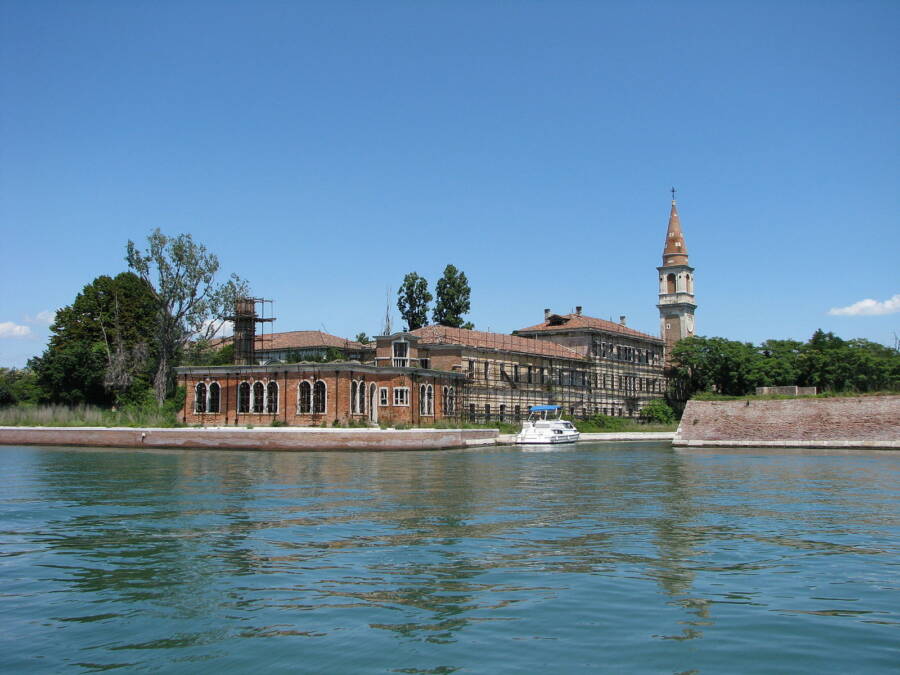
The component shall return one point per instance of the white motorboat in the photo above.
(545, 426)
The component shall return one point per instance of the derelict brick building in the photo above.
(585, 364)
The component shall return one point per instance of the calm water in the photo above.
(617, 558)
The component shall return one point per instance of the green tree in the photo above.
(714, 364)
(99, 349)
(362, 338)
(190, 305)
(412, 301)
(18, 385)
(778, 365)
(452, 299)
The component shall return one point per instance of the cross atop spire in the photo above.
(673, 195)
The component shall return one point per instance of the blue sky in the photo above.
(323, 150)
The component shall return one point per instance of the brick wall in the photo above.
(863, 418)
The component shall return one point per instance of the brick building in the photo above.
(317, 394)
(585, 364)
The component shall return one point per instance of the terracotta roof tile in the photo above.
(302, 339)
(571, 321)
(477, 338)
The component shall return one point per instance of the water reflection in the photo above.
(191, 557)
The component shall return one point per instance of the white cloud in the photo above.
(8, 329)
(45, 318)
(868, 307)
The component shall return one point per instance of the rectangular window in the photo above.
(515, 373)
(401, 395)
(383, 396)
(529, 374)
(471, 369)
(401, 354)
(487, 370)
(424, 363)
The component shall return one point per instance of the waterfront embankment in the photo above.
(240, 438)
(841, 422)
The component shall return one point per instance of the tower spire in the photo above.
(675, 250)
(676, 285)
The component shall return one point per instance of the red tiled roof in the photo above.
(302, 339)
(475, 338)
(570, 321)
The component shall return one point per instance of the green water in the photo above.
(620, 558)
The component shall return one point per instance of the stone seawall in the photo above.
(298, 439)
(852, 422)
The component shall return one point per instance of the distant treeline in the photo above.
(826, 361)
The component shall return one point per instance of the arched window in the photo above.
(487, 412)
(215, 394)
(272, 397)
(304, 398)
(451, 401)
(670, 283)
(200, 398)
(445, 400)
(259, 395)
(361, 395)
(422, 410)
(429, 400)
(319, 397)
(354, 401)
(244, 397)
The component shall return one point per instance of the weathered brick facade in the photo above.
(341, 392)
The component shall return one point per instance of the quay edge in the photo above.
(303, 439)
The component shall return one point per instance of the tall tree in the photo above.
(99, 349)
(191, 306)
(412, 301)
(452, 299)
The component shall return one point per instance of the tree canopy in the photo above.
(190, 305)
(412, 301)
(453, 294)
(826, 361)
(100, 347)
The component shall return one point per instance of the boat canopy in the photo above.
(539, 408)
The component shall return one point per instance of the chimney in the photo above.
(546, 314)
(622, 319)
(578, 310)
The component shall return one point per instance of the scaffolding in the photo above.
(248, 312)
(596, 373)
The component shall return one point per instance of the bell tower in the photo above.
(676, 285)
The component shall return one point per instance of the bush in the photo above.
(658, 412)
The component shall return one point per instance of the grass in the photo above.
(621, 425)
(85, 416)
(712, 396)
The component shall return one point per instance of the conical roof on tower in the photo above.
(675, 251)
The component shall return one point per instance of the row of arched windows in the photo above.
(206, 398)
(260, 397)
(311, 398)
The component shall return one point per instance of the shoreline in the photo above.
(300, 439)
